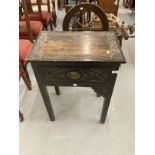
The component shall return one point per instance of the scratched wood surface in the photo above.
(76, 46)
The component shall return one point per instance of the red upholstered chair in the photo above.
(24, 48)
(28, 29)
(46, 17)
(35, 26)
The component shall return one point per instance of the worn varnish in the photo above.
(75, 46)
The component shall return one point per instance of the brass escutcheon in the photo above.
(74, 75)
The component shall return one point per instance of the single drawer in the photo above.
(49, 73)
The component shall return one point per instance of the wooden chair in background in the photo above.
(28, 32)
(36, 13)
(28, 29)
(24, 48)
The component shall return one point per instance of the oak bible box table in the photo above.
(85, 59)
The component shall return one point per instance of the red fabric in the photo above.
(24, 48)
(35, 16)
(36, 27)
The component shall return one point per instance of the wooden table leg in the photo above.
(47, 101)
(57, 90)
(107, 99)
(44, 93)
(105, 109)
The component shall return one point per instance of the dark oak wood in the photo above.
(85, 59)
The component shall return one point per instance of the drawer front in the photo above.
(49, 73)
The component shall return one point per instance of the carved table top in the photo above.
(76, 47)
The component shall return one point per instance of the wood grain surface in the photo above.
(76, 46)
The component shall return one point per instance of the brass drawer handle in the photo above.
(73, 75)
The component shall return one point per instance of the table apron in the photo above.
(73, 76)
